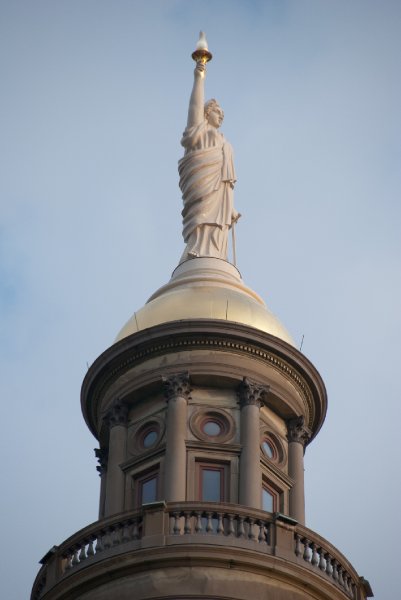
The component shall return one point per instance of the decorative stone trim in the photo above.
(204, 334)
(117, 414)
(222, 417)
(297, 431)
(189, 342)
(137, 432)
(102, 456)
(280, 456)
(250, 392)
(176, 385)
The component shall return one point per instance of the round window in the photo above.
(150, 438)
(268, 448)
(212, 428)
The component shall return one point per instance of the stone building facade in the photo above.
(203, 409)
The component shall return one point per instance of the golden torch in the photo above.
(201, 53)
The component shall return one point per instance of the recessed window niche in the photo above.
(212, 425)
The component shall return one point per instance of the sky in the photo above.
(93, 104)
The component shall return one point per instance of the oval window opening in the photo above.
(150, 439)
(212, 428)
(268, 449)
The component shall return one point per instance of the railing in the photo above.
(101, 540)
(196, 520)
(320, 555)
(187, 523)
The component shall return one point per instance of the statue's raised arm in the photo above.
(197, 99)
(207, 174)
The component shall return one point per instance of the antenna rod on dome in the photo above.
(234, 248)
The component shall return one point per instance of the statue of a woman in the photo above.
(207, 177)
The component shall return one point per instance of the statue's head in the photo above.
(214, 114)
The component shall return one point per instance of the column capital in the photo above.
(117, 414)
(102, 456)
(250, 392)
(297, 430)
(176, 385)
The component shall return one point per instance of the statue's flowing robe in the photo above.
(207, 178)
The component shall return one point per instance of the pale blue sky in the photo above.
(93, 105)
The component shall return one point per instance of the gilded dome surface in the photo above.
(206, 288)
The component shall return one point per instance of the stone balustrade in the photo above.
(201, 520)
(322, 556)
(185, 523)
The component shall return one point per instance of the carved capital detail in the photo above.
(176, 385)
(297, 430)
(102, 456)
(117, 414)
(250, 392)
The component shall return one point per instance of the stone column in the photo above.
(102, 456)
(176, 391)
(115, 481)
(298, 435)
(250, 475)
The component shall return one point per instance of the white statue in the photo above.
(207, 176)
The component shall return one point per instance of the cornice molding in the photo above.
(102, 456)
(208, 335)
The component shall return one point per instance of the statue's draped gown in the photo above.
(207, 178)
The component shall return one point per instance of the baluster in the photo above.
(251, 534)
(209, 526)
(322, 562)
(352, 589)
(91, 551)
(75, 559)
(125, 536)
(176, 528)
(99, 543)
(135, 530)
(82, 554)
(106, 539)
(315, 556)
(329, 566)
(298, 550)
(261, 534)
(346, 582)
(187, 525)
(220, 526)
(306, 554)
(340, 575)
(241, 530)
(198, 522)
(115, 535)
(268, 533)
(68, 562)
(231, 530)
(335, 572)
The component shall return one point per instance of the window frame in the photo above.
(276, 495)
(223, 469)
(140, 480)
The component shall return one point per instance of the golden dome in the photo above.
(206, 288)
